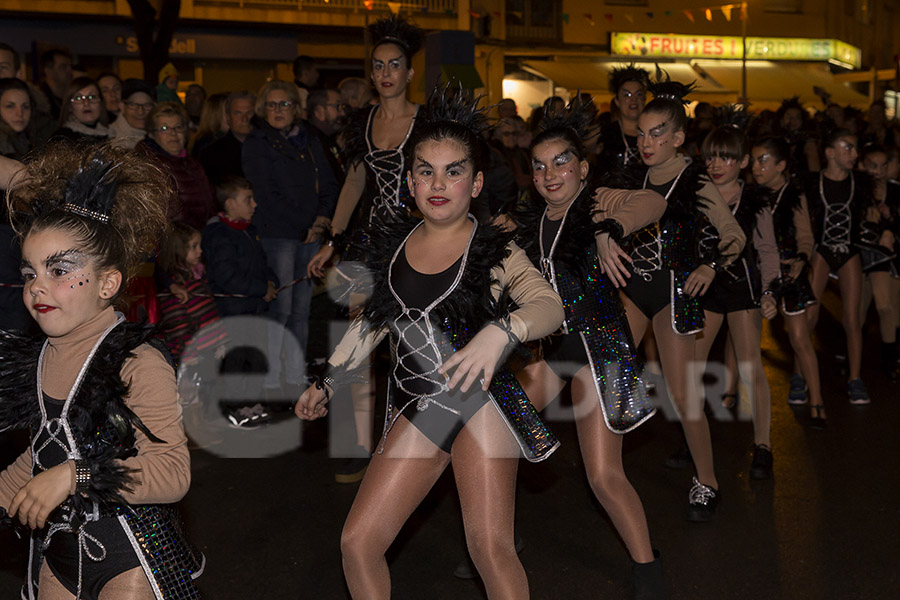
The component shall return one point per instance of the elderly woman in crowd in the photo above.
(295, 191)
(167, 127)
(82, 117)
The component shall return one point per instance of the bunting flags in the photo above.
(689, 15)
(590, 18)
(725, 9)
(369, 4)
(394, 6)
(709, 14)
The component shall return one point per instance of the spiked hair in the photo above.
(574, 126)
(669, 98)
(398, 31)
(622, 75)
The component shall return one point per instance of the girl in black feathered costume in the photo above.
(742, 292)
(594, 350)
(108, 455)
(665, 275)
(793, 234)
(440, 288)
(838, 198)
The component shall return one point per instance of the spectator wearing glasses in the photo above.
(295, 191)
(167, 127)
(130, 127)
(83, 116)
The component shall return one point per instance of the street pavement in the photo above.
(826, 526)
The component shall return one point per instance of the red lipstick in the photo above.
(43, 308)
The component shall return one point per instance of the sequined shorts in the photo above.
(727, 295)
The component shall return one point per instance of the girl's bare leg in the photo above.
(850, 281)
(485, 457)
(601, 450)
(746, 331)
(677, 353)
(882, 285)
(50, 587)
(801, 341)
(130, 585)
(395, 483)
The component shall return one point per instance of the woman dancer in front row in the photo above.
(440, 286)
(741, 292)
(595, 351)
(109, 455)
(793, 234)
(665, 279)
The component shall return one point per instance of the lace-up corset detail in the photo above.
(388, 166)
(838, 218)
(646, 244)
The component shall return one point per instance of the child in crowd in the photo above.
(239, 275)
(188, 312)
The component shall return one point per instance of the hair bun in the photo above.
(663, 88)
(397, 30)
(580, 116)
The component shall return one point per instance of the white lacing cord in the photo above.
(650, 250)
(838, 220)
(84, 548)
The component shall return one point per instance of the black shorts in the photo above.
(727, 295)
(653, 295)
(835, 258)
(565, 354)
(439, 424)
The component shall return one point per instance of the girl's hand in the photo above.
(40, 496)
(179, 292)
(311, 404)
(698, 282)
(316, 267)
(768, 306)
(611, 256)
(481, 354)
(796, 269)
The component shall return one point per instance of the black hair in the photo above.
(229, 187)
(573, 126)
(317, 97)
(777, 149)
(728, 139)
(788, 104)
(48, 58)
(622, 75)
(302, 63)
(870, 149)
(400, 32)
(451, 113)
(669, 99)
(831, 137)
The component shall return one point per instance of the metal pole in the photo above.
(744, 17)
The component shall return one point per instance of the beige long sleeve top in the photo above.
(632, 209)
(731, 236)
(161, 471)
(766, 248)
(540, 311)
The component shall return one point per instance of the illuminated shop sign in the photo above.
(658, 45)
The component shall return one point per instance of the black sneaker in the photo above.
(761, 465)
(702, 502)
(247, 417)
(681, 459)
(797, 393)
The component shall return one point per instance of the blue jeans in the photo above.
(289, 311)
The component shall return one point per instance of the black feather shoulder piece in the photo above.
(754, 198)
(18, 386)
(663, 88)
(783, 211)
(685, 197)
(628, 177)
(356, 133)
(470, 305)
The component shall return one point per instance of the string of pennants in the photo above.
(727, 10)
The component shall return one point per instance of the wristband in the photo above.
(82, 476)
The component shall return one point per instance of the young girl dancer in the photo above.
(664, 278)
(741, 292)
(439, 288)
(189, 307)
(594, 351)
(793, 234)
(878, 250)
(109, 456)
(839, 199)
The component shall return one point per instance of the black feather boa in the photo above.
(101, 422)
(356, 146)
(469, 307)
(754, 198)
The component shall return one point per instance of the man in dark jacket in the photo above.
(222, 158)
(324, 119)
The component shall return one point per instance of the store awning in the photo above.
(717, 80)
